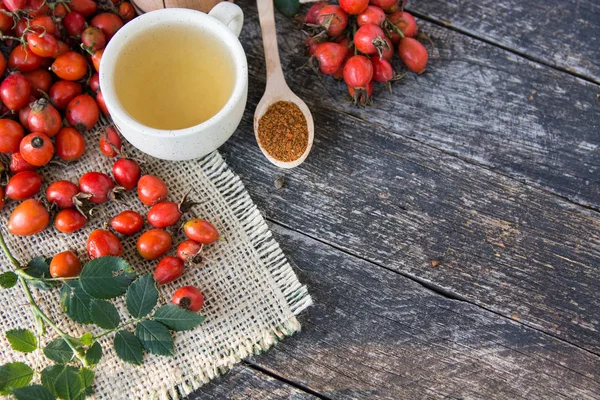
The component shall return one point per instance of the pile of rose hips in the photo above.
(51, 75)
(356, 39)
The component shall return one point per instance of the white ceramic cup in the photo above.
(224, 24)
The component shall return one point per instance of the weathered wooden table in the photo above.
(450, 234)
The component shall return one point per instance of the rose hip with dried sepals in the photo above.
(313, 11)
(358, 72)
(369, 40)
(62, 193)
(126, 172)
(110, 142)
(97, 186)
(189, 250)
(333, 19)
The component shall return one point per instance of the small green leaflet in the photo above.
(22, 340)
(59, 351)
(104, 314)
(69, 384)
(33, 392)
(75, 302)
(142, 296)
(155, 338)
(87, 377)
(128, 347)
(49, 376)
(94, 354)
(177, 318)
(39, 267)
(106, 277)
(13, 376)
(87, 339)
(8, 280)
(65, 382)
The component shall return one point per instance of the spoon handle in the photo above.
(266, 16)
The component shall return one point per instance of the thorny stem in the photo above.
(35, 309)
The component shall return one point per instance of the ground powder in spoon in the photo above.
(283, 131)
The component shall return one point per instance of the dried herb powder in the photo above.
(283, 131)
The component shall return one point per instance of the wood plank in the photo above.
(243, 382)
(564, 34)
(503, 245)
(374, 334)
(477, 102)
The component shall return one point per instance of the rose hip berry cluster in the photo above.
(51, 75)
(356, 40)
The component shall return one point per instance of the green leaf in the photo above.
(39, 267)
(87, 377)
(75, 302)
(22, 340)
(33, 392)
(289, 8)
(49, 376)
(155, 338)
(106, 277)
(59, 351)
(8, 280)
(69, 384)
(128, 348)
(13, 376)
(94, 354)
(177, 318)
(87, 339)
(142, 296)
(104, 314)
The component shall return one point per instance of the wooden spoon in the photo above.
(277, 89)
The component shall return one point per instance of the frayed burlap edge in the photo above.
(296, 294)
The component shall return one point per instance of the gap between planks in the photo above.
(287, 381)
(473, 162)
(430, 286)
(501, 46)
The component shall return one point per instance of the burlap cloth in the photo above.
(252, 294)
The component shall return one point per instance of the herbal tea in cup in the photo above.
(173, 77)
(175, 81)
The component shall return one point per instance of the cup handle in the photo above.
(230, 14)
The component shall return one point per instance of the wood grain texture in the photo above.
(374, 334)
(246, 383)
(478, 102)
(373, 192)
(565, 34)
